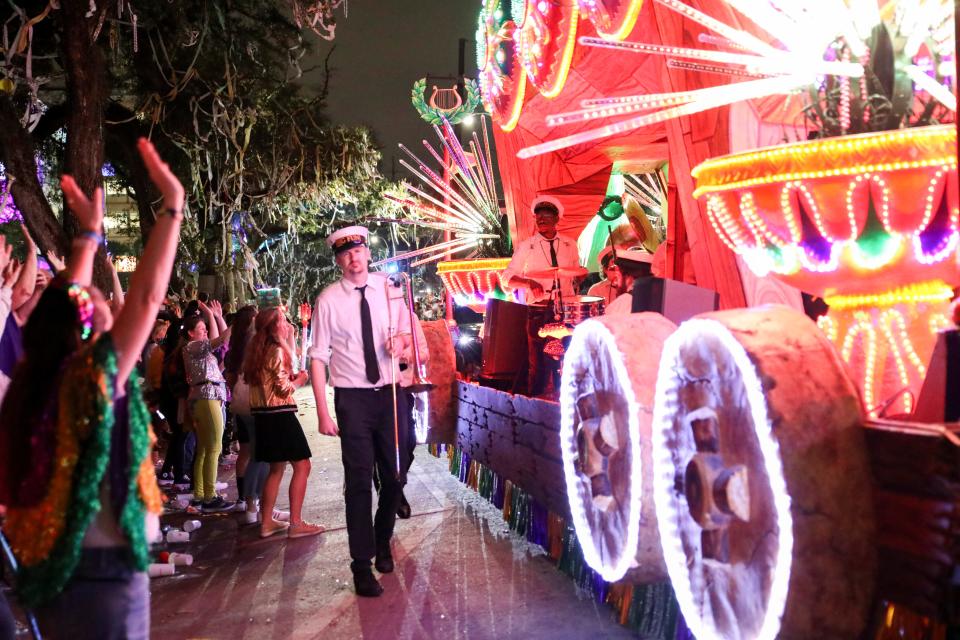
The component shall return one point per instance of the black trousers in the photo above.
(365, 419)
(411, 441)
(180, 449)
(542, 370)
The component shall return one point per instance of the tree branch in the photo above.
(17, 155)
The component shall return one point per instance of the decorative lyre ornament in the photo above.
(419, 382)
(445, 100)
(445, 104)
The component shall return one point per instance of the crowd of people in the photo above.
(81, 469)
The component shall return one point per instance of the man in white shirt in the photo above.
(631, 264)
(354, 331)
(544, 251)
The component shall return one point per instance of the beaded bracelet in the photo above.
(92, 236)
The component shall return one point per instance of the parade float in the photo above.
(727, 477)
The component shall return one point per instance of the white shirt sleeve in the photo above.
(517, 262)
(320, 332)
(6, 302)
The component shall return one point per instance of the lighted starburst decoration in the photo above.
(466, 204)
(863, 62)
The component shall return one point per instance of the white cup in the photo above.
(155, 570)
(175, 535)
(180, 558)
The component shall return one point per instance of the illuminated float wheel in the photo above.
(606, 406)
(761, 481)
(435, 411)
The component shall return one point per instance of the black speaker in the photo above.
(504, 350)
(676, 300)
(939, 399)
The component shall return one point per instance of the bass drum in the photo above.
(606, 404)
(761, 479)
(435, 411)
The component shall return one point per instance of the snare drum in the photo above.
(576, 309)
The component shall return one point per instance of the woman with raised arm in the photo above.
(208, 392)
(75, 439)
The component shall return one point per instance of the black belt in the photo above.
(385, 387)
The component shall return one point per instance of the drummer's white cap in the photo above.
(635, 261)
(548, 202)
(347, 238)
(635, 255)
(607, 253)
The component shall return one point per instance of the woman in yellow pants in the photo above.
(207, 394)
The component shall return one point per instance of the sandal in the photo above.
(273, 527)
(303, 529)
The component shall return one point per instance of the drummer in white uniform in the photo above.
(631, 264)
(545, 266)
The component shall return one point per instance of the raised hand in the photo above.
(11, 273)
(31, 245)
(5, 250)
(207, 311)
(162, 177)
(56, 261)
(216, 308)
(89, 212)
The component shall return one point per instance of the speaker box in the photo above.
(676, 300)
(504, 351)
(939, 399)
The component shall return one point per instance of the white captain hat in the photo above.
(634, 261)
(347, 238)
(635, 255)
(547, 202)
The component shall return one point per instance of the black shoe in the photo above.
(217, 505)
(384, 561)
(366, 585)
(403, 511)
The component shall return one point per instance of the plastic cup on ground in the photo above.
(177, 536)
(156, 570)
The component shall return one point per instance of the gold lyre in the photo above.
(445, 100)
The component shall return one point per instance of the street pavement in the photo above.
(459, 574)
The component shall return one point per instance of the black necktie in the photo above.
(553, 255)
(366, 330)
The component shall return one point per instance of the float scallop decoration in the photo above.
(502, 78)
(545, 42)
(473, 282)
(613, 19)
(870, 222)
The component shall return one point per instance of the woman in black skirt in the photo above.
(268, 369)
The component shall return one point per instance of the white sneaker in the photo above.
(251, 517)
(220, 486)
(281, 516)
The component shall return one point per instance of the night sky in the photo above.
(382, 48)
